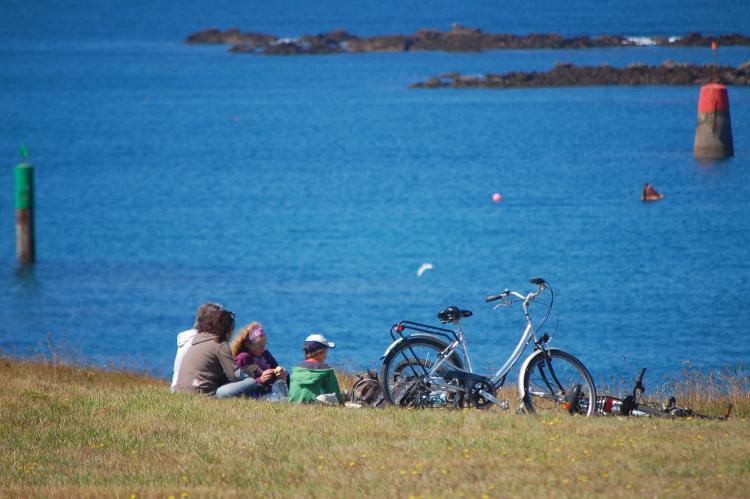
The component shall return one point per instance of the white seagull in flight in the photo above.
(423, 268)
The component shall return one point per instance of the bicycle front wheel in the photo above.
(555, 381)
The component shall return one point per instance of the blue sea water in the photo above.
(305, 192)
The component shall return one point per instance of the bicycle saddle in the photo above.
(452, 314)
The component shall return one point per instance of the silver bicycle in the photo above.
(429, 366)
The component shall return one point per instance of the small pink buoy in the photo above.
(497, 197)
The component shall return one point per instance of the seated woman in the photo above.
(253, 360)
(207, 366)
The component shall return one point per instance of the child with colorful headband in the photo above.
(252, 358)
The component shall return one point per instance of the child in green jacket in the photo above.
(314, 377)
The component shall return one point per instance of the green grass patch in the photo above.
(74, 432)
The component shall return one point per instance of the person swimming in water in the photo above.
(650, 194)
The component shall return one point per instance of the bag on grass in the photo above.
(367, 390)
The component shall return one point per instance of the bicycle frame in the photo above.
(458, 340)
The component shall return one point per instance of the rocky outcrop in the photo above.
(570, 75)
(698, 40)
(458, 39)
(232, 36)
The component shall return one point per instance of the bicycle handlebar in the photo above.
(502, 295)
(506, 293)
(638, 387)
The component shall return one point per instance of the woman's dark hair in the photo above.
(213, 319)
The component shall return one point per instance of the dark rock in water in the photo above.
(698, 40)
(211, 35)
(570, 75)
(458, 39)
(283, 48)
(232, 36)
(395, 43)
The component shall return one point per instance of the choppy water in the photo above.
(305, 192)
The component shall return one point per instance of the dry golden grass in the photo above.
(72, 432)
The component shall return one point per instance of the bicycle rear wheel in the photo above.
(555, 381)
(409, 362)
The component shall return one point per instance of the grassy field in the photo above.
(75, 432)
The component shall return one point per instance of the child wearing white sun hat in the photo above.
(313, 378)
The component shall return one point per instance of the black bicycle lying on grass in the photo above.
(633, 405)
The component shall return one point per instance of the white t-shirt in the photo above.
(184, 342)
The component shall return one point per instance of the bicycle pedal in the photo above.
(504, 404)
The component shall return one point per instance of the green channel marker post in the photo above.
(25, 209)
